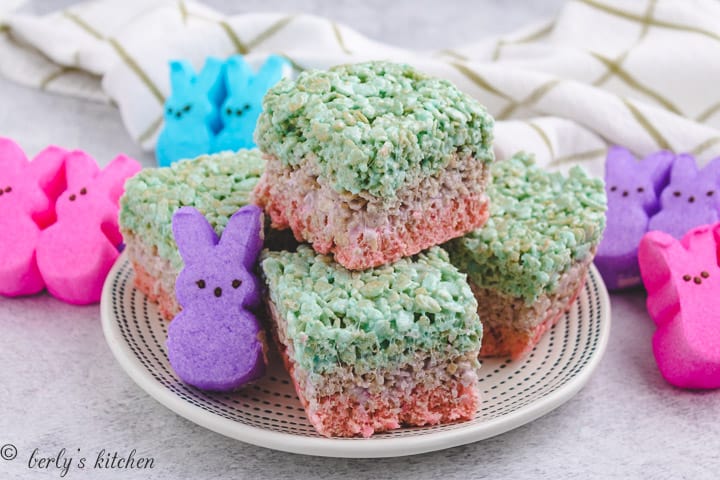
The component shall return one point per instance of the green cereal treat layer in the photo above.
(217, 185)
(540, 224)
(374, 318)
(372, 127)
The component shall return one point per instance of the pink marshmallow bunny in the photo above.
(27, 195)
(683, 283)
(75, 253)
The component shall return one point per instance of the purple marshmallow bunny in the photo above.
(215, 342)
(632, 189)
(691, 199)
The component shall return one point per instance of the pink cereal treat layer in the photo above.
(529, 262)
(373, 162)
(217, 185)
(375, 350)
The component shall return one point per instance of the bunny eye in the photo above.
(187, 108)
(236, 283)
(640, 189)
(200, 283)
(613, 188)
(170, 111)
(228, 111)
(72, 197)
(677, 193)
(8, 189)
(704, 274)
(83, 191)
(710, 193)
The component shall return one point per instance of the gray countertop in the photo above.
(60, 386)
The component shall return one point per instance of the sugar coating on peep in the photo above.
(683, 283)
(191, 115)
(633, 188)
(242, 107)
(692, 197)
(75, 253)
(27, 204)
(216, 342)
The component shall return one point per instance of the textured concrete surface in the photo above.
(60, 386)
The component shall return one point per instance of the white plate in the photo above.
(269, 414)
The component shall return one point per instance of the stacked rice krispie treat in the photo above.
(373, 350)
(374, 163)
(528, 263)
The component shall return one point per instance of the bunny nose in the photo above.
(178, 114)
(625, 193)
(218, 292)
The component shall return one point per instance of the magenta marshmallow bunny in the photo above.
(27, 205)
(75, 254)
(682, 278)
(216, 342)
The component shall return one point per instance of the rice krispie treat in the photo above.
(528, 263)
(373, 162)
(373, 350)
(217, 185)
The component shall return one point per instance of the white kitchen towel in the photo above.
(644, 74)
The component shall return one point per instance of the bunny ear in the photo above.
(270, 73)
(243, 235)
(683, 168)
(12, 157)
(112, 178)
(659, 164)
(657, 253)
(210, 79)
(712, 169)
(716, 236)
(618, 161)
(237, 74)
(182, 75)
(47, 168)
(80, 169)
(699, 242)
(194, 235)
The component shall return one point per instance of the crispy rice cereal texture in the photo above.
(373, 350)
(372, 162)
(528, 263)
(217, 185)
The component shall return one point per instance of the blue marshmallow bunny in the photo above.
(243, 106)
(191, 111)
